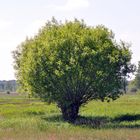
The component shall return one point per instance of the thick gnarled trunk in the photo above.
(70, 113)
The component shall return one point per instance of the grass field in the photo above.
(30, 119)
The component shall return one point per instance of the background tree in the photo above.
(137, 78)
(8, 86)
(71, 64)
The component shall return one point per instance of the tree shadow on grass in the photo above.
(121, 121)
(92, 122)
(99, 122)
(127, 117)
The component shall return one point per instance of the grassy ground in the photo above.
(30, 119)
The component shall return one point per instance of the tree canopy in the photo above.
(71, 63)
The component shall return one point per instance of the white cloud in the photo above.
(33, 28)
(71, 5)
(7, 43)
(133, 38)
(9, 40)
(4, 24)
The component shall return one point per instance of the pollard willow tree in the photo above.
(71, 63)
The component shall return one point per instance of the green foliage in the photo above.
(137, 78)
(71, 64)
(131, 87)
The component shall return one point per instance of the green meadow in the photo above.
(22, 118)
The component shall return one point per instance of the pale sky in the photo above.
(21, 18)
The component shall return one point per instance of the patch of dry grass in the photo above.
(112, 134)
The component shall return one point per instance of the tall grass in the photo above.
(31, 119)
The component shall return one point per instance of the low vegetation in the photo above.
(22, 118)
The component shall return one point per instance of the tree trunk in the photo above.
(70, 113)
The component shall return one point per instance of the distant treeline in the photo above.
(6, 86)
